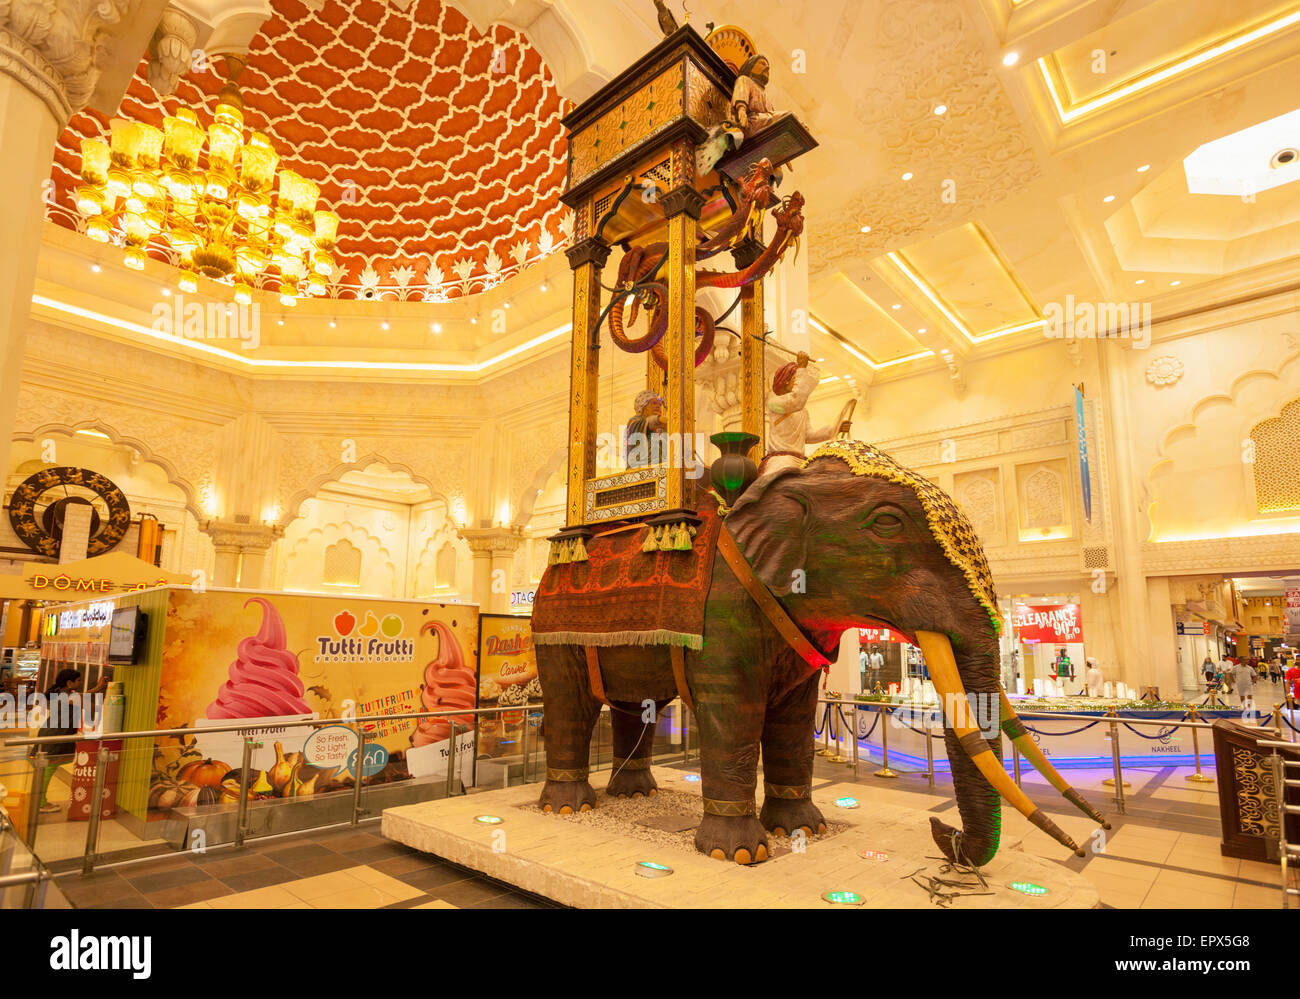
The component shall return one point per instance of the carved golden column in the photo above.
(682, 207)
(587, 258)
(753, 375)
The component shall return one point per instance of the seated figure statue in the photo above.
(647, 433)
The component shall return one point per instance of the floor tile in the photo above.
(260, 898)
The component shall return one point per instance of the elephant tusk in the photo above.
(939, 657)
(1019, 735)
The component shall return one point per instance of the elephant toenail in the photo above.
(566, 809)
(761, 854)
(586, 807)
(778, 831)
(717, 854)
(547, 808)
(742, 856)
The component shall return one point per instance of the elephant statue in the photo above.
(849, 538)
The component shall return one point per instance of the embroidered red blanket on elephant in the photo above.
(622, 595)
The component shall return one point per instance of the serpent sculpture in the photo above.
(640, 277)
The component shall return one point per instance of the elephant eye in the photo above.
(884, 523)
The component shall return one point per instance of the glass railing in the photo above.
(203, 805)
(25, 882)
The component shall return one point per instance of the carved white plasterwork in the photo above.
(1164, 371)
(54, 48)
(978, 151)
(171, 50)
(1044, 498)
(977, 494)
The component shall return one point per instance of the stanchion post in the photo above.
(39, 763)
(838, 756)
(241, 809)
(451, 762)
(1118, 779)
(1198, 777)
(929, 746)
(358, 778)
(884, 770)
(96, 806)
(855, 739)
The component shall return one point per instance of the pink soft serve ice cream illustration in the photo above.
(448, 684)
(264, 678)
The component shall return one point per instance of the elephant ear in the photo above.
(948, 524)
(770, 525)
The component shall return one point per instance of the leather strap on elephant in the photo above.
(594, 678)
(678, 655)
(767, 602)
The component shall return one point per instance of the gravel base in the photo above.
(622, 817)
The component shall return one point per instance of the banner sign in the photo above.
(1194, 628)
(1084, 478)
(1056, 623)
(507, 678)
(878, 635)
(283, 659)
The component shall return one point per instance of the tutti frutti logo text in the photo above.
(371, 640)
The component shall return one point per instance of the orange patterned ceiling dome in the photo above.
(440, 147)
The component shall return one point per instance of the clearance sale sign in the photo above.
(1051, 623)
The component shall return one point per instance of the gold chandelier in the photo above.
(226, 210)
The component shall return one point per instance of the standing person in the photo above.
(877, 662)
(1293, 682)
(1274, 671)
(864, 664)
(1209, 669)
(1243, 678)
(63, 718)
(1093, 677)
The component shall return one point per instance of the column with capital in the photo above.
(493, 549)
(682, 206)
(587, 258)
(242, 551)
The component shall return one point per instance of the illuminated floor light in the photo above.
(846, 802)
(649, 869)
(489, 820)
(843, 898)
(873, 855)
(692, 778)
(1027, 888)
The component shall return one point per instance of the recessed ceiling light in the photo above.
(437, 327)
(333, 324)
(897, 305)
(545, 287)
(1144, 168)
(865, 228)
(921, 330)
(908, 175)
(1011, 58)
(279, 322)
(1108, 199)
(1174, 284)
(473, 320)
(941, 109)
(384, 325)
(95, 268)
(507, 305)
(167, 293)
(1141, 281)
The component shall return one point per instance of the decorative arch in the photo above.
(192, 504)
(293, 505)
(358, 537)
(1189, 427)
(1276, 470)
(523, 505)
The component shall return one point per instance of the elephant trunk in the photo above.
(975, 756)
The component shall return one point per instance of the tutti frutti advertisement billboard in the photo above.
(276, 659)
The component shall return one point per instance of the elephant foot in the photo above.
(632, 784)
(732, 837)
(567, 797)
(954, 845)
(782, 816)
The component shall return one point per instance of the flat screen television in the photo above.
(126, 634)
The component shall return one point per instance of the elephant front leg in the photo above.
(730, 728)
(571, 711)
(633, 741)
(788, 752)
